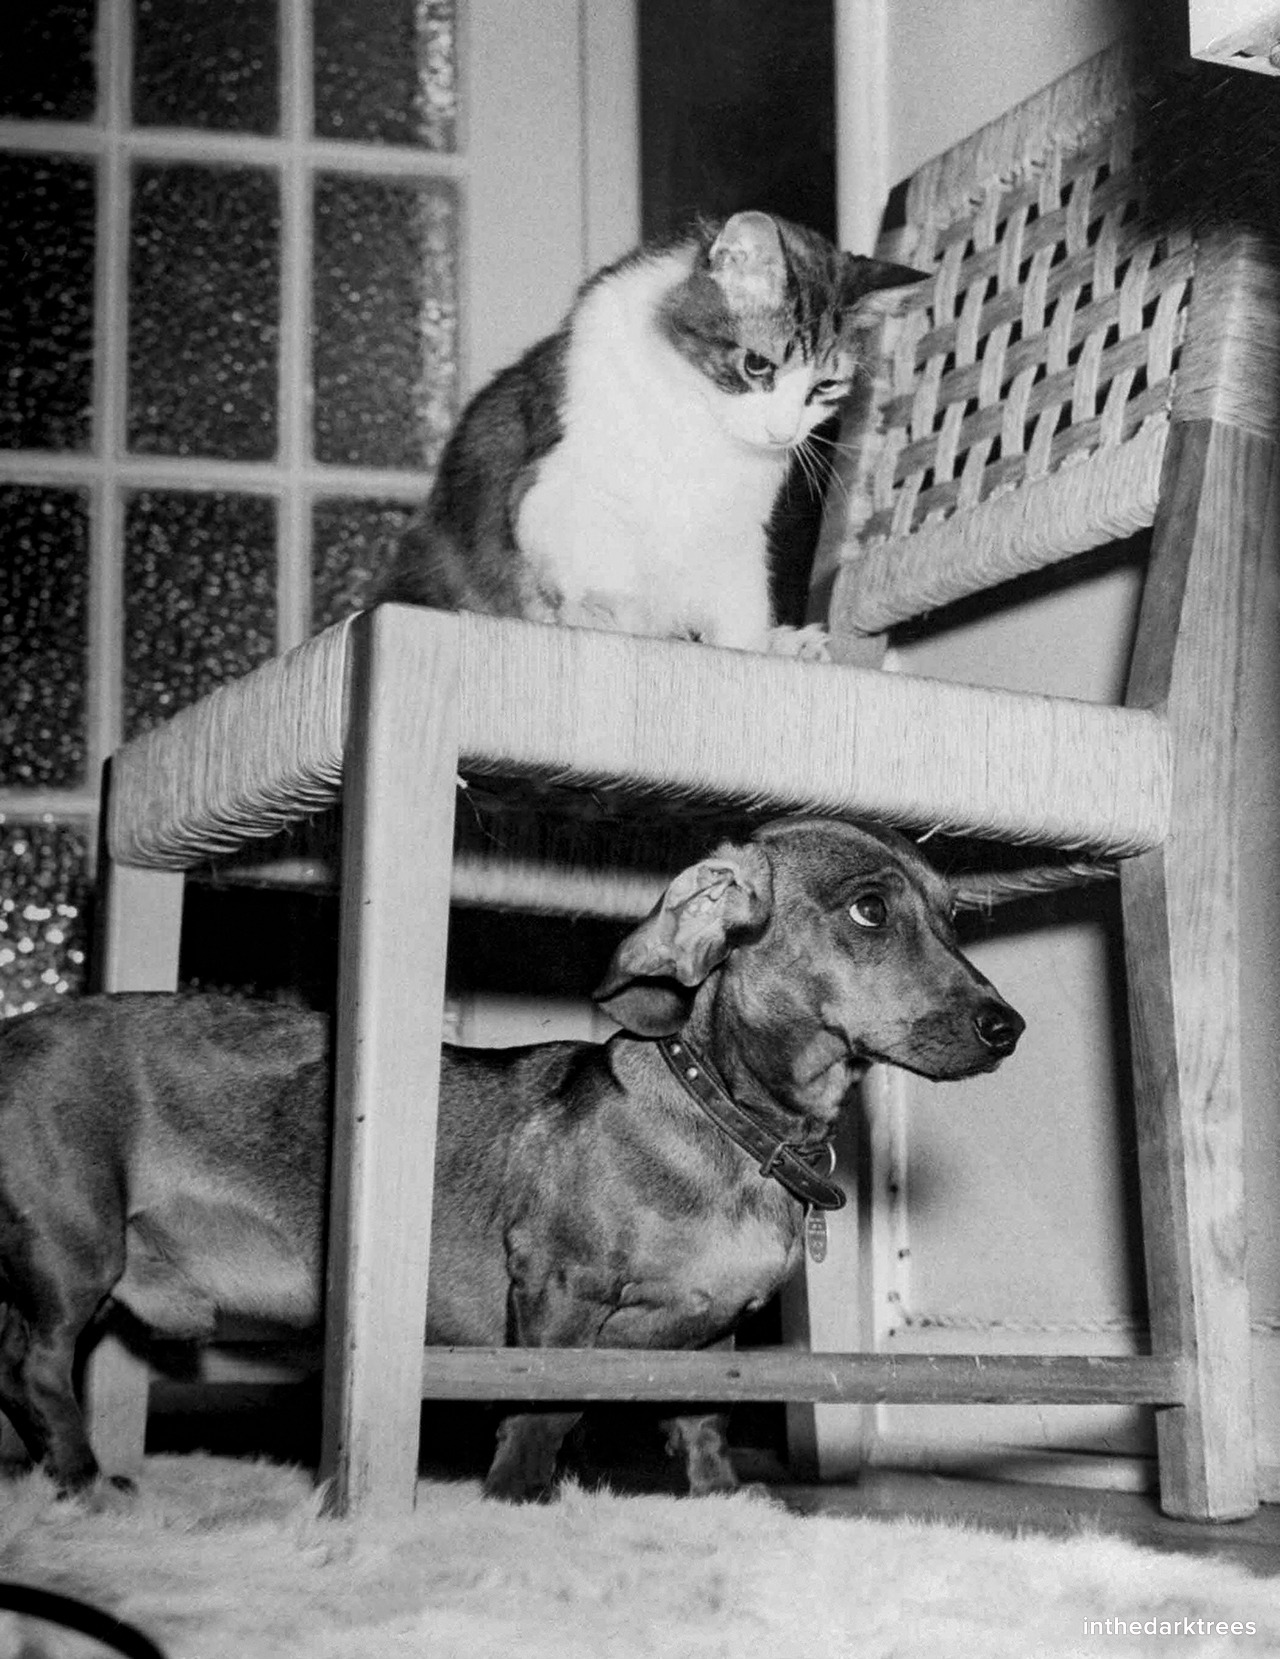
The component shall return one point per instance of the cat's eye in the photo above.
(869, 910)
(755, 365)
(829, 388)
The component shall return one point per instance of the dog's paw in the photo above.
(718, 1485)
(807, 644)
(79, 1476)
(708, 1462)
(523, 1469)
(108, 1495)
(513, 1486)
(758, 1492)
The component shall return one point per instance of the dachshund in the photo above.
(169, 1153)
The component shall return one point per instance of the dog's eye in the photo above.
(869, 910)
(755, 365)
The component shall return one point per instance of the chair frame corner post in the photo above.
(398, 809)
(824, 1311)
(136, 948)
(1218, 508)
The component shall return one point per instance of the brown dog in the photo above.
(168, 1153)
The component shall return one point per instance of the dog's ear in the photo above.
(710, 907)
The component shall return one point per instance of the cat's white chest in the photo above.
(648, 516)
(653, 540)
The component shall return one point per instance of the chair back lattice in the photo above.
(1024, 402)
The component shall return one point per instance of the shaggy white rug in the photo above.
(222, 1559)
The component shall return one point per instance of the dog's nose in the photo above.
(999, 1027)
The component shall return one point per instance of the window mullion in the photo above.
(293, 567)
(106, 649)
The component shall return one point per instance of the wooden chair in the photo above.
(1083, 366)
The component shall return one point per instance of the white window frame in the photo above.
(547, 169)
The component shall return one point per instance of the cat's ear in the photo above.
(748, 263)
(884, 289)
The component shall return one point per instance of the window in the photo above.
(232, 340)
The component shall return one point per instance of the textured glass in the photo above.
(46, 302)
(44, 604)
(200, 598)
(354, 542)
(385, 320)
(386, 71)
(42, 912)
(204, 307)
(206, 63)
(46, 60)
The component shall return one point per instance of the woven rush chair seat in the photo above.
(1083, 363)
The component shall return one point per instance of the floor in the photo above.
(625, 1446)
(1016, 1507)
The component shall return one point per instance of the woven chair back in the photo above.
(1024, 401)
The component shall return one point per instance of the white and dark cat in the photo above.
(623, 473)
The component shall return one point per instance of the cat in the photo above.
(622, 474)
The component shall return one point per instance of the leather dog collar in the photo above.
(784, 1163)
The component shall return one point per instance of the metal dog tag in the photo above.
(815, 1235)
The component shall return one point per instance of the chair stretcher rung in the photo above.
(788, 1374)
(681, 720)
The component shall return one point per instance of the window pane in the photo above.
(44, 604)
(385, 320)
(200, 598)
(204, 307)
(197, 64)
(353, 542)
(42, 912)
(46, 302)
(385, 71)
(46, 64)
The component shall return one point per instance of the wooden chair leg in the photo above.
(1191, 1149)
(398, 803)
(138, 951)
(1219, 510)
(822, 1310)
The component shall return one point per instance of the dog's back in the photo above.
(189, 1133)
(187, 1139)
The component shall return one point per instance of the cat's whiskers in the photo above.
(818, 470)
(835, 443)
(815, 439)
(821, 470)
(835, 477)
(804, 459)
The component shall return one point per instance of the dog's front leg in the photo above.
(524, 1462)
(703, 1442)
(564, 1309)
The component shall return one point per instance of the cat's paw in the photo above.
(809, 644)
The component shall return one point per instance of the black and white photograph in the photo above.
(639, 829)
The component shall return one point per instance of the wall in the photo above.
(1021, 1203)
(953, 66)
